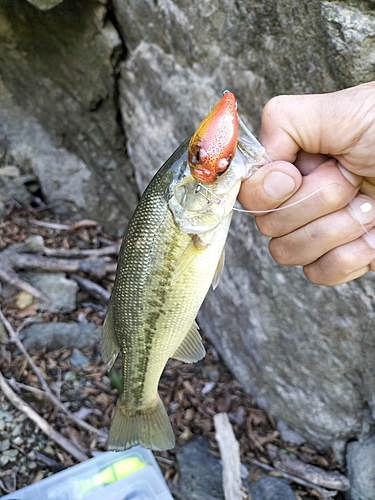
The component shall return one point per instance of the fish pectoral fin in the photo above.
(219, 270)
(191, 348)
(196, 246)
(110, 348)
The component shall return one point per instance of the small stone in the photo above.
(289, 435)
(271, 488)
(5, 415)
(17, 441)
(12, 454)
(78, 360)
(32, 465)
(4, 445)
(49, 450)
(60, 290)
(2, 425)
(4, 459)
(17, 430)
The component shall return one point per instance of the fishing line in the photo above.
(367, 206)
(286, 206)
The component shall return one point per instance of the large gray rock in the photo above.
(61, 66)
(303, 351)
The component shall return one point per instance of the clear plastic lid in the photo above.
(129, 475)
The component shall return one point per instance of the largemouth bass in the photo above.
(171, 252)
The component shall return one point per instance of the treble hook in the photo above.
(207, 194)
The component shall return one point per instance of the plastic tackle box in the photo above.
(129, 475)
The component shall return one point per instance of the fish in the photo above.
(172, 251)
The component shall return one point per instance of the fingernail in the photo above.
(349, 176)
(278, 185)
(363, 209)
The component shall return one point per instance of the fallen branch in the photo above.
(47, 391)
(93, 289)
(332, 480)
(76, 451)
(325, 494)
(230, 457)
(21, 256)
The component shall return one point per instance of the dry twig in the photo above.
(19, 257)
(93, 289)
(325, 494)
(76, 451)
(230, 457)
(47, 391)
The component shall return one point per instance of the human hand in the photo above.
(329, 138)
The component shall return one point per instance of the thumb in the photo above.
(270, 186)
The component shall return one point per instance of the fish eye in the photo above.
(197, 156)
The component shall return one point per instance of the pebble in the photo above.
(60, 290)
(17, 441)
(17, 430)
(271, 488)
(4, 445)
(289, 435)
(78, 360)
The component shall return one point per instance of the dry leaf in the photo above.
(29, 311)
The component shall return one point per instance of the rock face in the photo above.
(305, 352)
(61, 67)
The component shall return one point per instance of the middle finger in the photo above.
(307, 244)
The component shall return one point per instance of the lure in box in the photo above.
(130, 475)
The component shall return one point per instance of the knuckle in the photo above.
(280, 253)
(267, 226)
(332, 199)
(345, 262)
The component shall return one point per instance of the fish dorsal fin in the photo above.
(110, 348)
(191, 348)
(219, 270)
(187, 257)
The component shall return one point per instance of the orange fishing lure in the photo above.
(213, 144)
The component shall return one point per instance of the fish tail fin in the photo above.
(149, 427)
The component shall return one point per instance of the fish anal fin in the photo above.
(191, 348)
(219, 270)
(110, 348)
(149, 427)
